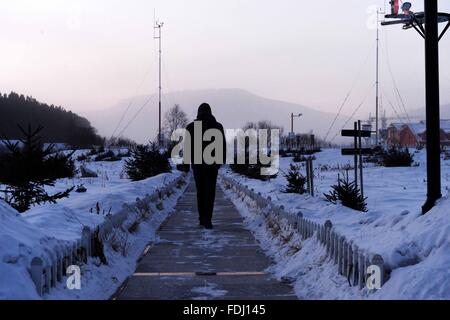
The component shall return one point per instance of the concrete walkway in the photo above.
(190, 262)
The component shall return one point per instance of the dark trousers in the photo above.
(205, 182)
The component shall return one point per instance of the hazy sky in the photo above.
(88, 54)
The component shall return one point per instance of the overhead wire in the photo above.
(354, 112)
(348, 93)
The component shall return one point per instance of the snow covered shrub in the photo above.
(252, 171)
(296, 181)
(147, 161)
(81, 189)
(118, 241)
(348, 194)
(87, 173)
(107, 156)
(396, 157)
(27, 169)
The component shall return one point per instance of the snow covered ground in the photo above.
(415, 247)
(44, 227)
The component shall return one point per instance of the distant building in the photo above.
(414, 134)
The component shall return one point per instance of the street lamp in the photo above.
(292, 120)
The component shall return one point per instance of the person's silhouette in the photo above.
(205, 175)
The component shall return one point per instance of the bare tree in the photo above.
(174, 118)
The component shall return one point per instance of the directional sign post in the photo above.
(357, 151)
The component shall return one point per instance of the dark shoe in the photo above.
(208, 225)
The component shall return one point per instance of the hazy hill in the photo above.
(444, 112)
(59, 125)
(232, 107)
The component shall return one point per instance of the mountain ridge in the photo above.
(233, 107)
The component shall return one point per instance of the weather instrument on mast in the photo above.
(411, 19)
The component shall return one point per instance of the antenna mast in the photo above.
(377, 79)
(157, 35)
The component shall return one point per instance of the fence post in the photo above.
(59, 265)
(54, 271)
(341, 255)
(336, 248)
(48, 279)
(308, 177)
(331, 240)
(377, 260)
(344, 258)
(349, 262)
(311, 175)
(355, 276)
(37, 273)
(361, 271)
(86, 242)
(328, 225)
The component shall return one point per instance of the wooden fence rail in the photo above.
(352, 262)
(46, 271)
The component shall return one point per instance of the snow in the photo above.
(414, 246)
(208, 291)
(47, 227)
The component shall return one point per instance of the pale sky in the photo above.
(89, 54)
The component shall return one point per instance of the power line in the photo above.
(396, 90)
(130, 103)
(354, 112)
(348, 93)
(135, 116)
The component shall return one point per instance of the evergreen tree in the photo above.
(348, 194)
(296, 181)
(26, 168)
(396, 157)
(147, 161)
(61, 126)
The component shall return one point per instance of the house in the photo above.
(414, 134)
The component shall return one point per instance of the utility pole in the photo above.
(158, 26)
(430, 18)
(432, 104)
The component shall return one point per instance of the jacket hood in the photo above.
(204, 113)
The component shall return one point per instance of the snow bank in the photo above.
(19, 240)
(415, 247)
(45, 229)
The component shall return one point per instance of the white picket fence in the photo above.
(352, 262)
(47, 271)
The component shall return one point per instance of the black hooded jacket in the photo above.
(208, 121)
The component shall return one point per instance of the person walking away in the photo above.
(205, 175)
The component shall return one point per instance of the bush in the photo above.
(296, 181)
(26, 170)
(396, 157)
(107, 156)
(252, 171)
(348, 194)
(147, 161)
(60, 166)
